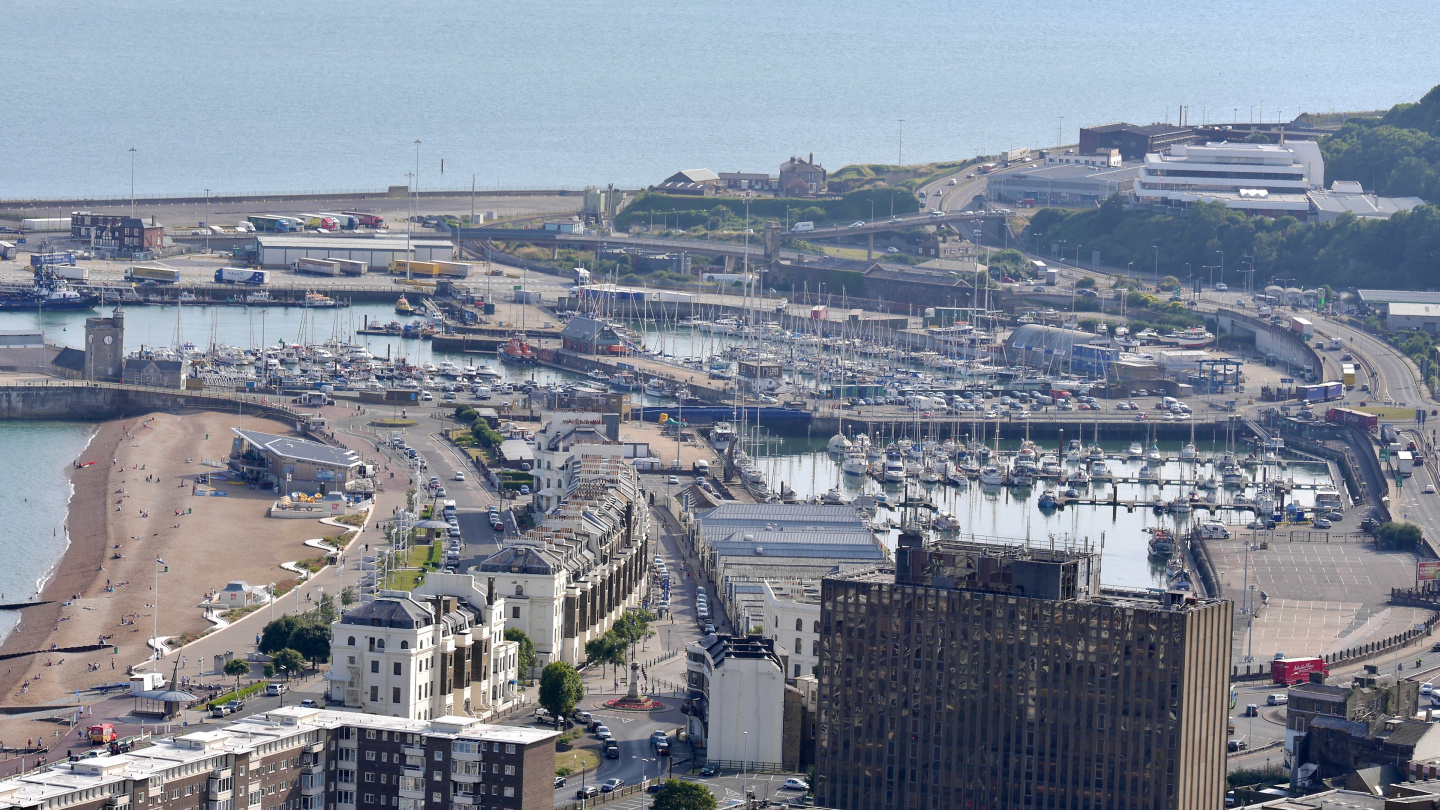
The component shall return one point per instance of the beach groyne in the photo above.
(65, 400)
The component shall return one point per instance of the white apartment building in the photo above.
(436, 652)
(737, 688)
(1103, 159)
(792, 621)
(553, 448)
(567, 581)
(1257, 178)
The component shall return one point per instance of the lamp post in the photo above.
(1222, 265)
(132, 182)
(1157, 264)
(207, 220)
(744, 750)
(155, 617)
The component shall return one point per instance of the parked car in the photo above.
(581, 717)
(710, 769)
(794, 784)
(674, 479)
(587, 792)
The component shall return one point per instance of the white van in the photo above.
(1277, 699)
(802, 227)
(702, 467)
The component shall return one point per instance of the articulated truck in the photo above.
(241, 275)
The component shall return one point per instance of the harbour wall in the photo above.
(64, 400)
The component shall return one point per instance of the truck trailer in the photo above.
(317, 267)
(1301, 326)
(242, 275)
(152, 273)
(1348, 416)
(401, 266)
(366, 220)
(452, 269)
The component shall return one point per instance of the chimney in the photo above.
(811, 161)
(490, 592)
(1317, 677)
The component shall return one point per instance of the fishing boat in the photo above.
(625, 381)
(598, 376)
(1193, 338)
(317, 301)
(518, 351)
(402, 306)
(258, 297)
(1162, 542)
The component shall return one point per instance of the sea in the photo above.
(273, 96)
(168, 97)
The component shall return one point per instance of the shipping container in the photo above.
(366, 220)
(144, 272)
(1347, 416)
(1347, 374)
(70, 272)
(242, 275)
(317, 267)
(1290, 671)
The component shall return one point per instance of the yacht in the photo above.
(1022, 475)
(1188, 453)
(1097, 452)
(855, 463)
(990, 475)
(894, 470)
(834, 497)
(946, 522)
(1136, 450)
(721, 435)
(1180, 504)
(1078, 478)
(1147, 474)
(838, 444)
(1049, 466)
(1074, 451)
(1153, 454)
(1100, 472)
(1048, 500)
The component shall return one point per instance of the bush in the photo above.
(1393, 536)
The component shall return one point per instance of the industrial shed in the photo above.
(284, 251)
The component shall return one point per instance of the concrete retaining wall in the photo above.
(94, 402)
(1285, 345)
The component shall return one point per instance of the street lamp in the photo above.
(1222, 265)
(132, 182)
(1157, 264)
(744, 751)
(207, 220)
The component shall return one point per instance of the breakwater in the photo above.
(95, 401)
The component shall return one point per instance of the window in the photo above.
(375, 666)
(509, 748)
(799, 625)
(799, 646)
(509, 770)
(397, 668)
(515, 612)
(369, 798)
(509, 791)
(797, 670)
(374, 698)
(379, 643)
(815, 648)
(394, 694)
(817, 625)
(404, 645)
(519, 590)
(439, 756)
(351, 642)
(369, 756)
(369, 777)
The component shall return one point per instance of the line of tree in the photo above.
(728, 213)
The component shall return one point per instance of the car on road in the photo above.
(1427, 688)
(602, 732)
(655, 787)
(1251, 710)
(434, 481)
(587, 792)
(951, 182)
(794, 784)
(859, 223)
(220, 711)
(524, 489)
(892, 249)
(459, 476)
(440, 492)
(1429, 489)
(1221, 287)
(674, 479)
(1322, 523)
(581, 717)
(611, 784)
(559, 781)
(710, 769)
(1236, 745)
(309, 703)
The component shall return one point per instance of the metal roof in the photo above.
(1397, 296)
(300, 449)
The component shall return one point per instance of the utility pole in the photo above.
(207, 220)
(900, 156)
(1060, 132)
(132, 182)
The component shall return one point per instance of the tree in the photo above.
(633, 627)
(1169, 283)
(526, 658)
(607, 649)
(268, 669)
(560, 689)
(1394, 536)
(678, 795)
(347, 595)
(1086, 283)
(276, 635)
(312, 640)
(288, 661)
(325, 609)
(237, 668)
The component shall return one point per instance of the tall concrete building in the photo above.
(981, 675)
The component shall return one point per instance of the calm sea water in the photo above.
(269, 95)
(36, 494)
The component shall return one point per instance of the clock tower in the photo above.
(105, 346)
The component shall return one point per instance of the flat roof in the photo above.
(300, 449)
(1415, 310)
(1361, 205)
(388, 243)
(1399, 296)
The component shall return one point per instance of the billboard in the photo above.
(1429, 571)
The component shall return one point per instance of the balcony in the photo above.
(413, 751)
(465, 799)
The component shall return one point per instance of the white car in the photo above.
(794, 784)
(1221, 287)
(859, 223)
(1427, 688)
(459, 476)
(674, 479)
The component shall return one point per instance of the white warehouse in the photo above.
(275, 251)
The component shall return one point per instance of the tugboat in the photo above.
(49, 291)
(1162, 542)
(402, 306)
(518, 351)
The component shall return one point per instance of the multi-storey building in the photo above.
(296, 758)
(116, 233)
(980, 675)
(566, 581)
(737, 695)
(792, 621)
(1257, 178)
(436, 652)
(1368, 699)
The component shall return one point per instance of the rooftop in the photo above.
(1399, 296)
(1415, 310)
(1361, 204)
(300, 449)
(347, 242)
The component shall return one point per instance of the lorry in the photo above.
(582, 276)
(71, 272)
(244, 227)
(102, 733)
(1347, 416)
(268, 223)
(1290, 671)
(1052, 277)
(1336, 344)
(802, 227)
(1347, 374)
(1301, 326)
(366, 220)
(152, 273)
(317, 267)
(320, 222)
(1320, 392)
(402, 266)
(351, 267)
(1015, 155)
(241, 275)
(51, 259)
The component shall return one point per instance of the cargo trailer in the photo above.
(317, 267)
(152, 273)
(242, 275)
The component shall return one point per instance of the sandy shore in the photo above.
(136, 505)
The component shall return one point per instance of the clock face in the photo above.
(109, 339)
